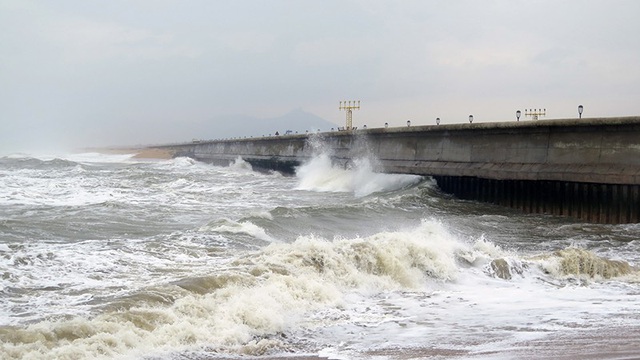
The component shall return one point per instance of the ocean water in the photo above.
(105, 256)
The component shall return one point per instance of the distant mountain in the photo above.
(296, 120)
(220, 127)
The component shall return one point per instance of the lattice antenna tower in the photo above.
(349, 107)
(535, 113)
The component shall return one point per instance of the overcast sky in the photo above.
(80, 72)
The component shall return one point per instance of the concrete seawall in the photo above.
(588, 168)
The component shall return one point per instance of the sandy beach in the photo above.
(150, 153)
(154, 153)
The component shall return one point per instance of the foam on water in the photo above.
(35, 187)
(189, 261)
(320, 174)
(234, 227)
(289, 279)
(315, 289)
(94, 157)
(583, 264)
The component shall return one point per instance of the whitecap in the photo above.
(234, 227)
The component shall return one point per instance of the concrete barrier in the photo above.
(505, 163)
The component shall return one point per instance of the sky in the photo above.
(95, 73)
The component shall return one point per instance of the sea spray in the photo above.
(322, 174)
(240, 164)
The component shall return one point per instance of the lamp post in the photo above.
(437, 121)
(580, 109)
(518, 113)
(470, 119)
(386, 125)
(408, 123)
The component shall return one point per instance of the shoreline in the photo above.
(154, 153)
(148, 153)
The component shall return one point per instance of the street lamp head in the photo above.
(470, 119)
(580, 109)
(437, 121)
(386, 125)
(408, 122)
(518, 113)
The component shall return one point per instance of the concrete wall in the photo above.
(504, 163)
(602, 150)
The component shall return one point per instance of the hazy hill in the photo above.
(140, 134)
(241, 125)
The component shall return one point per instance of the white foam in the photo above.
(66, 187)
(240, 164)
(290, 281)
(417, 286)
(319, 174)
(181, 162)
(583, 264)
(262, 215)
(234, 227)
(390, 290)
(94, 157)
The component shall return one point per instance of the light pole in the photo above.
(386, 125)
(408, 123)
(437, 121)
(470, 119)
(518, 113)
(580, 109)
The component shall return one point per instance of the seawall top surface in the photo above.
(597, 150)
(463, 127)
(584, 122)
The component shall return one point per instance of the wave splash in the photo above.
(321, 174)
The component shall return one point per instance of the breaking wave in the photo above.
(565, 264)
(320, 174)
(237, 227)
(242, 306)
(583, 263)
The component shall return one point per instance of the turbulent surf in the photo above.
(106, 256)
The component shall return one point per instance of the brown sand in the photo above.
(138, 152)
(153, 153)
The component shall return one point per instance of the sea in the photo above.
(106, 256)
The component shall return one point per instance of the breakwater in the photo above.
(585, 168)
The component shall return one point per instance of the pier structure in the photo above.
(588, 168)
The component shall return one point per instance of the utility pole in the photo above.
(348, 107)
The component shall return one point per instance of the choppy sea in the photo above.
(106, 256)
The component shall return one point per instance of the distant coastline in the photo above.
(137, 152)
